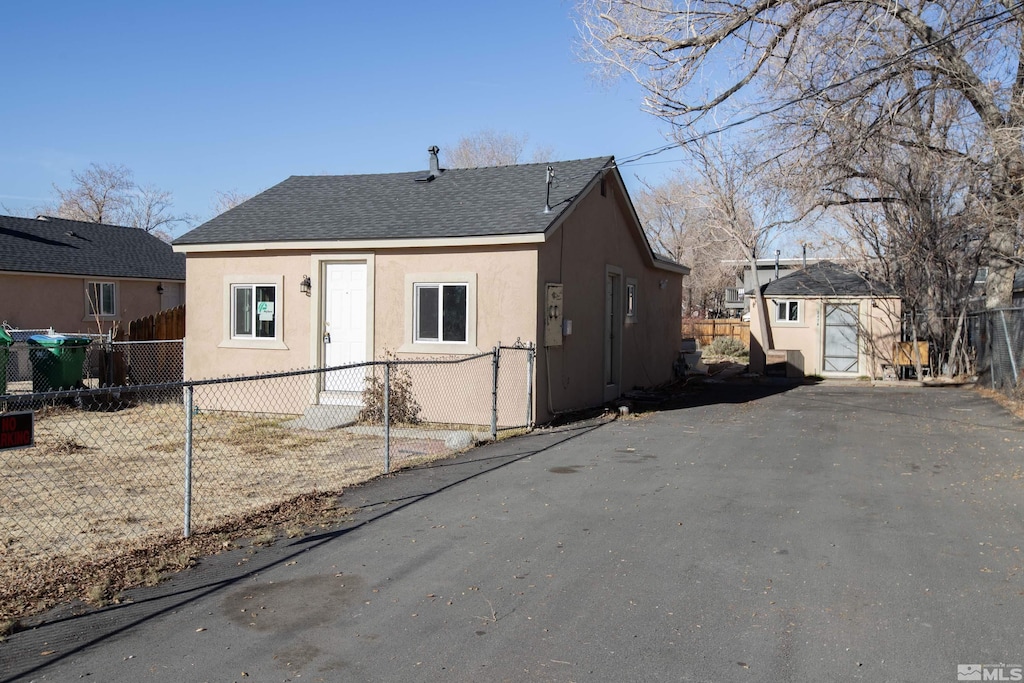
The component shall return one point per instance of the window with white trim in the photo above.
(787, 311)
(100, 298)
(441, 312)
(254, 311)
(631, 302)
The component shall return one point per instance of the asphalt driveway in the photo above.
(823, 533)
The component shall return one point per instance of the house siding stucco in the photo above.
(60, 302)
(595, 236)
(878, 331)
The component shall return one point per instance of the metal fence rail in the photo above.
(112, 468)
(997, 338)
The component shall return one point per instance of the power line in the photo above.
(634, 158)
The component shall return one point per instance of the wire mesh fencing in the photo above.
(141, 362)
(112, 468)
(997, 337)
(33, 367)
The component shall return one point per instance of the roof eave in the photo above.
(323, 245)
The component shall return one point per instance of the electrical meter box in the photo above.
(553, 314)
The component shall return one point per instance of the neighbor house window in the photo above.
(441, 312)
(787, 311)
(100, 298)
(254, 311)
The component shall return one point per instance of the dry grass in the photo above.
(1014, 406)
(97, 504)
(146, 561)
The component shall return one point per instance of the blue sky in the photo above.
(201, 97)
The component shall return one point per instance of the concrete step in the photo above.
(324, 417)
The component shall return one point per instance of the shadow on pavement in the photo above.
(722, 385)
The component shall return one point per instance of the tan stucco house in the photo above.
(83, 277)
(322, 271)
(830, 321)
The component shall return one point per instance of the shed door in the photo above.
(841, 342)
(345, 325)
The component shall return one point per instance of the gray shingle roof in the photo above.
(471, 202)
(825, 279)
(45, 246)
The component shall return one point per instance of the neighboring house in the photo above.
(833, 322)
(83, 277)
(437, 263)
(738, 298)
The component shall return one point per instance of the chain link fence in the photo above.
(31, 368)
(997, 338)
(112, 468)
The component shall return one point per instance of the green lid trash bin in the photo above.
(5, 349)
(57, 361)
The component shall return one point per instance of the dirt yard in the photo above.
(97, 504)
(98, 482)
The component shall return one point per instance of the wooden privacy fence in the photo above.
(169, 324)
(706, 331)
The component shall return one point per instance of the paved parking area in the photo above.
(821, 533)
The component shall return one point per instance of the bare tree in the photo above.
(777, 54)
(746, 203)
(100, 194)
(109, 194)
(915, 206)
(228, 200)
(677, 223)
(492, 148)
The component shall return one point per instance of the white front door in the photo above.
(345, 326)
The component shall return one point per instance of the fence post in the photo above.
(989, 334)
(1009, 347)
(531, 350)
(494, 392)
(188, 460)
(387, 417)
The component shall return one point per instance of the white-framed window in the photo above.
(441, 312)
(100, 299)
(254, 311)
(787, 311)
(631, 302)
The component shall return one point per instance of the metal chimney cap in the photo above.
(435, 168)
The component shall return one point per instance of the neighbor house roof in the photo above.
(56, 245)
(470, 202)
(825, 279)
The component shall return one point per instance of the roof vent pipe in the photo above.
(547, 196)
(435, 165)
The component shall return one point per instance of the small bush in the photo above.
(727, 346)
(402, 405)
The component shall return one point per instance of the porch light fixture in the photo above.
(160, 289)
(306, 285)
